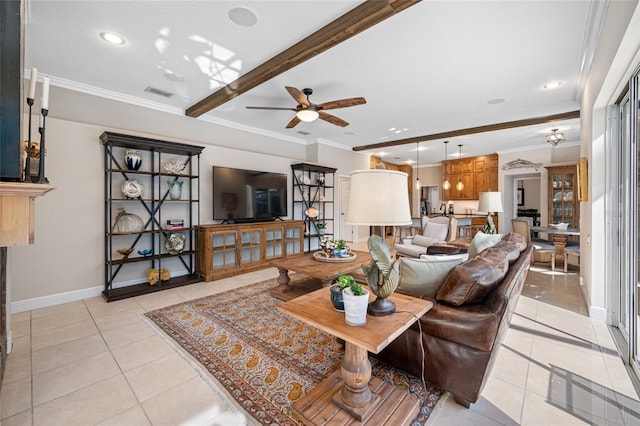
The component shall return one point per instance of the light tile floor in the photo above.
(93, 363)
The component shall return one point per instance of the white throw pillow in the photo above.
(426, 276)
(482, 241)
(438, 231)
(421, 240)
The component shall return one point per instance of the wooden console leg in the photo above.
(283, 280)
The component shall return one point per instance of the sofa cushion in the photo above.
(424, 241)
(516, 239)
(410, 250)
(482, 241)
(425, 276)
(438, 231)
(509, 247)
(472, 280)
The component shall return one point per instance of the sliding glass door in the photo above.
(624, 204)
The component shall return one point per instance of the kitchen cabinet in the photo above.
(478, 174)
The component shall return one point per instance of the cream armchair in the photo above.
(434, 230)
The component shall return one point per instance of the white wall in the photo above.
(592, 135)
(67, 260)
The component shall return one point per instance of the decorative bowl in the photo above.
(559, 225)
(144, 252)
(132, 189)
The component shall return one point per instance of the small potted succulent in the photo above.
(352, 297)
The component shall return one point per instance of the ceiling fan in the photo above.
(307, 111)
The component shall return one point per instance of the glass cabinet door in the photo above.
(224, 250)
(273, 239)
(563, 206)
(249, 247)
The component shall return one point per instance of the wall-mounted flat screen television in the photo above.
(248, 195)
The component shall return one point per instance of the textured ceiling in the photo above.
(432, 68)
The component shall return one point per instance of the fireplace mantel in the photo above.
(17, 211)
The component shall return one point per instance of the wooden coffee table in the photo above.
(351, 392)
(327, 272)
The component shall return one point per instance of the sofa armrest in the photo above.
(473, 326)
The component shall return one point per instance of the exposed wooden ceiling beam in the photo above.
(473, 130)
(358, 19)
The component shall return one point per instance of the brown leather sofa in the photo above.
(463, 331)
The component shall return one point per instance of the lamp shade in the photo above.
(490, 202)
(379, 198)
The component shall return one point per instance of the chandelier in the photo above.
(554, 138)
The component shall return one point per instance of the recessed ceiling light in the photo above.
(496, 101)
(381, 154)
(553, 84)
(243, 17)
(171, 76)
(112, 38)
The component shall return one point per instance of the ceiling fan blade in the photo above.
(342, 103)
(278, 108)
(294, 121)
(333, 119)
(296, 94)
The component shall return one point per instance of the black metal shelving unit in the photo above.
(125, 276)
(310, 193)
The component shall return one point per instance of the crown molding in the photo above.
(144, 103)
(595, 22)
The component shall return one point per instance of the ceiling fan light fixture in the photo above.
(307, 115)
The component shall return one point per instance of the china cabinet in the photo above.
(563, 200)
(227, 250)
(147, 229)
(313, 201)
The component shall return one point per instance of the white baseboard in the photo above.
(598, 314)
(55, 299)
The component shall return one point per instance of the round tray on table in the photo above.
(324, 257)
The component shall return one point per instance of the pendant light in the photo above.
(445, 185)
(460, 185)
(417, 166)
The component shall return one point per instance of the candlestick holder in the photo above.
(41, 177)
(27, 165)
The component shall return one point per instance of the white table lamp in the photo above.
(379, 198)
(490, 202)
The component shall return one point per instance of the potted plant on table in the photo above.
(340, 248)
(352, 297)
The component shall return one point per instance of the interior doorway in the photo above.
(347, 232)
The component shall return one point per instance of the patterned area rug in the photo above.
(265, 359)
